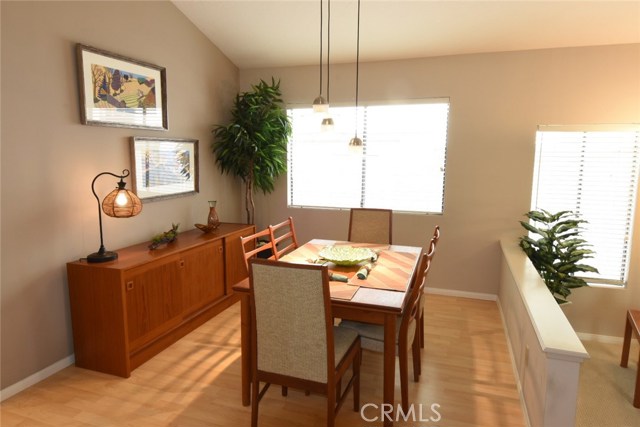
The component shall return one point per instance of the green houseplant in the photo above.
(253, 146)
(556, 250)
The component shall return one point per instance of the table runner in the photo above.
(389, 271)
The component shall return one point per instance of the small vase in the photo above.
(212, 219)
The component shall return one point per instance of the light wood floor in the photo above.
(196, 382)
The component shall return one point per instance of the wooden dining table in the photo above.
(378, 299)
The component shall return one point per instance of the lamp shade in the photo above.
(320, 105)
(121, 203)
(327, 124)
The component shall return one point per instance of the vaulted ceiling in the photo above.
(266, 33)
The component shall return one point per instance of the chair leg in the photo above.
(421, 335)
(254, 403)
(356, 381)
(338, 389)
(417, 362)
(331, 407)
(404, 374)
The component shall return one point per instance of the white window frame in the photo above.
(601, 187)
(369, 178)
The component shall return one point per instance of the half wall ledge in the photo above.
(546, 351)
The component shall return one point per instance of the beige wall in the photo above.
(49, 158)
(497, 100)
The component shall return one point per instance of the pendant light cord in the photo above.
(328, 44)
(358, 55)
(321, 22)
(357, 65)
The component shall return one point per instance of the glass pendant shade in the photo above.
(320, 105)
(355, 145)
(355, 142)
(327, 124)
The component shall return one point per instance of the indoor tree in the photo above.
(253, 146)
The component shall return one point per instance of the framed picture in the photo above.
(120, 91)
(164, 167)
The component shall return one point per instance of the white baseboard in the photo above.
(607, 339)
(36, 378)
(461, 294)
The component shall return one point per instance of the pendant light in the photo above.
(327, 122)
(320, 105)
(355, 144)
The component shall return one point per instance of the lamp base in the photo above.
(102, 256)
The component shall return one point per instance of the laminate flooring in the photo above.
(467, 380)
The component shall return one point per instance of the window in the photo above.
(402, 166)
(593, 173)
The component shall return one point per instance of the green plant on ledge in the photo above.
(557, 250)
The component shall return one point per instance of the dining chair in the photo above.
(255, 244)
(372, 336)
(435, 238)
(295, 343)
(370, 225)
(283, 237)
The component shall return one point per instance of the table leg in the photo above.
(627, 342)
(245, 345)
(389, 367)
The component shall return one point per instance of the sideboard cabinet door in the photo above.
(153, 300)
(202, 276)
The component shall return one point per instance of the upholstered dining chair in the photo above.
(435, 239)
(254, 244)
(295, 343)
(372, 336)
(370, 225)
(283, 237)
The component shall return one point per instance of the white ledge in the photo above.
(555, 334)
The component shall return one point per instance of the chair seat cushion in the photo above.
(342, 340)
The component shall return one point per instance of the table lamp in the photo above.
(119, 203)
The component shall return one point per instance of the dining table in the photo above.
(379, 298)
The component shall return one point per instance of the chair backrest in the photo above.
(252, 245)
(411, 311)
(292, 318)
(370, 225)
(283, 237)
(436, 234)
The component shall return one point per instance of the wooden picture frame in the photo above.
(120, 91)
(164, 168)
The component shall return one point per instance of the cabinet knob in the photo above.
(181, 263)
(129, 285)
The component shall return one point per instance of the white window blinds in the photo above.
(402, 166)
(593, 173)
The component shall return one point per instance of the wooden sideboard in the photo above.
(126, 311)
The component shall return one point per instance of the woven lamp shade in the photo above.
(121, 203)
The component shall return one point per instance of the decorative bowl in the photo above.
(347, 255)
(206, 228)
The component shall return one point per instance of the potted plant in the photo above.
(556, 250)
(254, 145)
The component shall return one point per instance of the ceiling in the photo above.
(266, 33)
